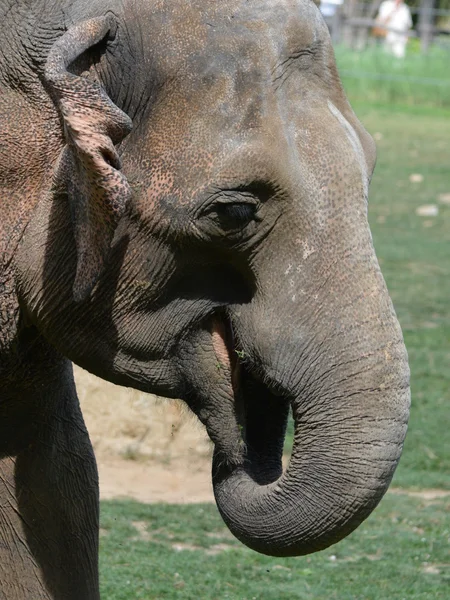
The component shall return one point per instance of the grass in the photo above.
(373, 75)
(158, 552)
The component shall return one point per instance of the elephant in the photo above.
(184, 191)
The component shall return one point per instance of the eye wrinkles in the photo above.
(300, 60)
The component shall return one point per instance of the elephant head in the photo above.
(205, 236)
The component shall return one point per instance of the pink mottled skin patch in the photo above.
(224, 354)
(220, 347)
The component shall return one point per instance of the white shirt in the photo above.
(395, 17)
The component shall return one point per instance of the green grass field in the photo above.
(375, 76)
(184, 552)
(402, 551)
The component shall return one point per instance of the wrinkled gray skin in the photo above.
(225, 259)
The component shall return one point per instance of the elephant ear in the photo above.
(89, 167)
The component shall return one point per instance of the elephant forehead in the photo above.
(200, 39)
(219, 66)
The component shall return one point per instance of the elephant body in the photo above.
(183, 210)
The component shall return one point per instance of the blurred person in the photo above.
(396, 16)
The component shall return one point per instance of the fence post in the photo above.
(349, 9)
(426, 24)
(336, 25)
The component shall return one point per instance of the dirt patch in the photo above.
(147, 448)
(129, 424)
(429, 494)
(180, 483)
(211, 551)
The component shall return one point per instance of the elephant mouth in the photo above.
(221, 392)
(253, 437)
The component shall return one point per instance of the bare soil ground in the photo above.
(147, 448)
(152, 449)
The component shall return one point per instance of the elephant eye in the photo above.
(234, 215)
(230, 215)
(234, 211)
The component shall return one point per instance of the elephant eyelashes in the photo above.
(234, 215)
(231, 215)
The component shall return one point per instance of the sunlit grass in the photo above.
(156, 552)
(372, 75)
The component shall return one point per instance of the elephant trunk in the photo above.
(344, 371)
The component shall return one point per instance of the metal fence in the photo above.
(352, 23)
